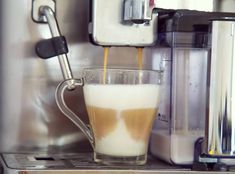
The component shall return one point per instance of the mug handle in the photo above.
(59, 97)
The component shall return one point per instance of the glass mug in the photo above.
(121, 106)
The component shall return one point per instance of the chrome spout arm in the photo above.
(48, 13)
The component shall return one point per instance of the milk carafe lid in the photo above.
(186, 28)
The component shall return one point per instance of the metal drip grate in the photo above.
(72, 162)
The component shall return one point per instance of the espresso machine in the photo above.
(36, 136)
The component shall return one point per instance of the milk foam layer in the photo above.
(122, 97)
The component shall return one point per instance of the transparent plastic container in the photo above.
(181, 119)
(182, 112)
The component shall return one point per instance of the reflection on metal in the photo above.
(103, 27)
(221, 119)
(140, 11)
(28, 111)
(224, 5)
(36, 4)
(79, 161)
(29, 117)
(43, 163)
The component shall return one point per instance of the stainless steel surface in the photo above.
(37, 17)
(108, 28)
(29, 117)
(201, 5)
(63, 58)
(224, 5)
(138, 11)
(221, 119)
(133, 21)
(78, 161)
(82, 163)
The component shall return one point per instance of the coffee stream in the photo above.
(106, 53)
(121, 125)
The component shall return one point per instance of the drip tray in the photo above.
(81, 161)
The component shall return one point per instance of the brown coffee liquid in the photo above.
(139, 122)
(106, 53)
(102, 120)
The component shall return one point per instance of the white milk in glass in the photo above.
(121, 117)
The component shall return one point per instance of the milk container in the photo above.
(184, 36)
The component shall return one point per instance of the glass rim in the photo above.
(122, 69)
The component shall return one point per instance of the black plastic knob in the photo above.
(52, 47)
